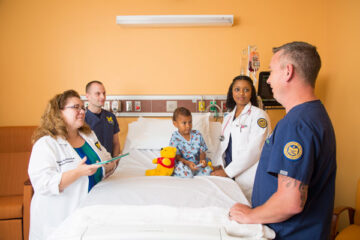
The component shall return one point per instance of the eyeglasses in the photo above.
(77, 107)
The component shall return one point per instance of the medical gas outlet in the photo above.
(115, 106)
(223, 106)
(212, 106)
(107, 105)
(86, 104)
(137, 105)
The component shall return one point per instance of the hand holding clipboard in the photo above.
(113, 159)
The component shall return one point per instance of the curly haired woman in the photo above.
(61, 167)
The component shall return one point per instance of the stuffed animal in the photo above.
(165, 163)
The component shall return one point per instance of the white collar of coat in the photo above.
(244, 111)
(61, 140)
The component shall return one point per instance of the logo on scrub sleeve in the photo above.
(110, 120)
(262, 122)
(293, 150)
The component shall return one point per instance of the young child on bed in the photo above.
(190, 157)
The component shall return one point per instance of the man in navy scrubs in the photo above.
(295, 181)
(102, 122)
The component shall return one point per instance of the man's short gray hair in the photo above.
(87, 88)
(304, 57)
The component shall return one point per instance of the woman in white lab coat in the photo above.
(244, 131)
(60, 167)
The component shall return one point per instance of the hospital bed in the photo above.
(129, 205)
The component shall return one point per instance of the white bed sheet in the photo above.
(129, 205)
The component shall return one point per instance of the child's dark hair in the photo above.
(230, 102)
(181, 111)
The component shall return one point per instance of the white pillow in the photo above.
(133, 131)
(201, 123)
(150, 133)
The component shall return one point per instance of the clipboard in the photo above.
(113, 159)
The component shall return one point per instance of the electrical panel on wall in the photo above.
(171, 106)
(161, 105)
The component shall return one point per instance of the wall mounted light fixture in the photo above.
(175, 20)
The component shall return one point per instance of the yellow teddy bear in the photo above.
(165, 163)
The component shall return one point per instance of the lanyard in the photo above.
(223, 130)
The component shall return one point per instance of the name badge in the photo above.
(65, 161)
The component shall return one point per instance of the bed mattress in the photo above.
(130, 205)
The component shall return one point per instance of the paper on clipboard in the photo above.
(113, 159)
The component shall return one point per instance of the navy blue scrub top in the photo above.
(228, 153)
(302, 147)
(104, 125)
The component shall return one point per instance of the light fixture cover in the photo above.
(175, 20)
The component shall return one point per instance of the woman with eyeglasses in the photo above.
(61, 167)
(244, 130)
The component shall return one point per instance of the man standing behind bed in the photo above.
(102, 122)
(295, 180)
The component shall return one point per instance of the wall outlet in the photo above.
(129, 106)
(171, 106)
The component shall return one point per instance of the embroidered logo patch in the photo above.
(97, 144)
(110, 120)
(262, 122)
(293, 150)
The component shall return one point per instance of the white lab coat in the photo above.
(49, 158)
(247, 141)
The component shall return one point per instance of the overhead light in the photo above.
(175, 20)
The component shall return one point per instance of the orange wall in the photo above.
(341, 90)
(49, 46)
